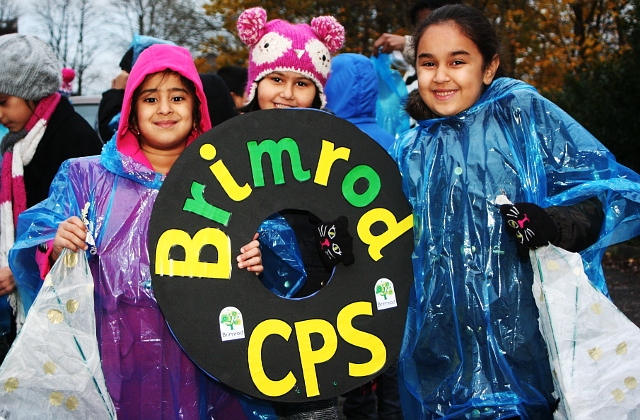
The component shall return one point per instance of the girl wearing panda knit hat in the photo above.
(289, 65)
(44, 131)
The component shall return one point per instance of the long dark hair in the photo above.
(474, 25)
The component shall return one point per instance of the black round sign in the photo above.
(212, 202)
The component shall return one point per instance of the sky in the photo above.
(105, 65)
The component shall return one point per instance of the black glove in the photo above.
(334, 242)
(530, 224)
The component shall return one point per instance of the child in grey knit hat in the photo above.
(28, 67)
(44, 131)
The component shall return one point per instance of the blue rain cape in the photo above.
(390, 113)
(280, 253)
(472, 346)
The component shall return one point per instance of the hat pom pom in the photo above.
(250, 25)
(330, 32)
(68, 74)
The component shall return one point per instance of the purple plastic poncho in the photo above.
(147, 373)
(472, 347)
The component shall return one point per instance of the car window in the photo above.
(87, 107)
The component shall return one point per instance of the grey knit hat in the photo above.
(28, 67)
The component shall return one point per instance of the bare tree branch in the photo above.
(71, 27)
(181, 21)
(9, 10)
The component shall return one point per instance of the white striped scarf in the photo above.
(13, 198)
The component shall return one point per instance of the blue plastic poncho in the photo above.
(390, 113)
(280, 253)
(353, 94)
(472, 346)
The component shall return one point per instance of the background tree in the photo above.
(363, 21)
(69, 28)
(87, 47)
(9, 12)
(181, 21)
(605, 98)
(79, 32)
(544, 40)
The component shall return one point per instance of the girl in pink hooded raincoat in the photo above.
(147, 373)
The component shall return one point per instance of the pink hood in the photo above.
(156, 58)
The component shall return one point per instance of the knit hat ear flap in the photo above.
(251, 25)
(329, 31)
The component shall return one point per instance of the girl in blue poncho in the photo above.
(472, 346)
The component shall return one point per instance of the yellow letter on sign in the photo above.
(309, 358)
(393, 232)
(328, 155)
(265, 385)
(192, 266)
(361, 339)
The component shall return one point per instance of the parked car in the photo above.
(87, 106)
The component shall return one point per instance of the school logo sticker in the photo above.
(219, 192)
(385, 294)
(231, 327)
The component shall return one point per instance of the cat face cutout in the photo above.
(518, 222)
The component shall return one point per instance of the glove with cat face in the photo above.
(530, 224)
(334, 242)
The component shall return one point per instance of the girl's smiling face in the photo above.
(285, 89)
(164, 113)
(450, 69)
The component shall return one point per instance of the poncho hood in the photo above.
(157, 58)
(352, 93)
(352, 73)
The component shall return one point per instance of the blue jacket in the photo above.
(352, 92)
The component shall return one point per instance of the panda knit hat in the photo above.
(28, 67)
(278, 45)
